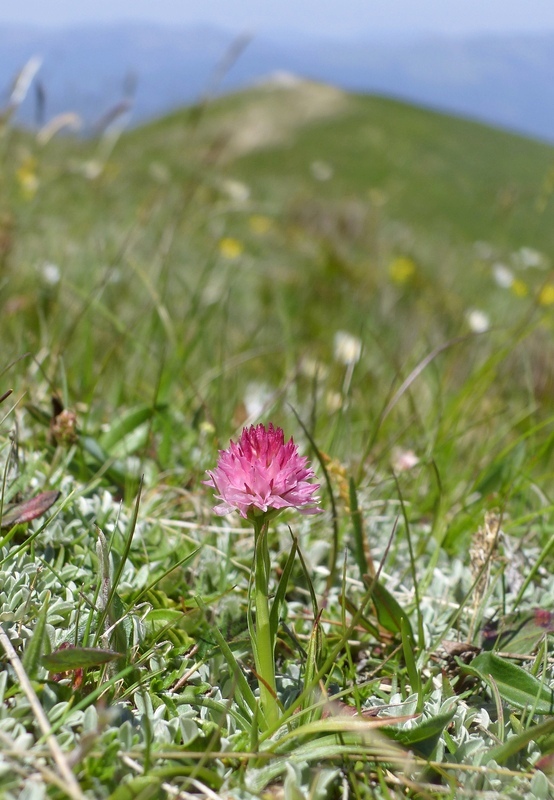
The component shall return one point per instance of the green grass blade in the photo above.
(312, 665)
(126, 424)
(71, 658)
(423, 737)
(333, 554)
(514, 744)
(244, 689)
(408, 649)
(110, 610)
(389, 612)
(358, 531)
(34, 650)
(282, 589)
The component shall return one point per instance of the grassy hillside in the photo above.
(465, 181)
(378, 280)
(452, 196)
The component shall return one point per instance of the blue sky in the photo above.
(319, 17)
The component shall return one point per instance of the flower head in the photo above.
(230, 248)
(477, 320)
(546, 295)
(262, 474)
(347, 348)
(402, 270)
(503, 275)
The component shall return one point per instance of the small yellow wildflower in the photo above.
(206, 428)
(339, 475)
(230, 248)
(402, 270)
(27, 177)
(546, 295)
(259, 224)
(519, 288)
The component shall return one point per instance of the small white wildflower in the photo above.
(503, 275)
(527, 258)
(333, 401)
(321, 171)
(213, 290)
(483, 250)
(236, 190)
(312, 368)
(206, 428)
(92, 169)
(50, 273)
(404, 460)
(483, 718)
(347, 348)
(477, 320)
(257, 399)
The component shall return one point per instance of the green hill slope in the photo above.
(265, 222)
(430, 170)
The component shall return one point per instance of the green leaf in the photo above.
(312, 659)
(38, 414)
(242, 684)
(515, 685)
(33, 650)
(125, 425)
(363, 621)
(334, 549)
(94, 449)
(389, 612)
(120, 624)
(516, 743)
(408, 648)
(160, 618)
(142, 786)
(70, 658)
(321, 741)
(325, 784)
(315, 644)
(134, 441)
(359, 543)
(313, 597)
(113, 469)
(521, 632)
(422, 738)
(113, 609)
(281, 589)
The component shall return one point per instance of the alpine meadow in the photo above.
(277, 453)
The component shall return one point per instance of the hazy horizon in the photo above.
(319, 18)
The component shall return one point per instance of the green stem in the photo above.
(264, 651)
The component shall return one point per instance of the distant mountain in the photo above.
(506, 81)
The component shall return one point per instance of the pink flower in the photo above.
(261, 474)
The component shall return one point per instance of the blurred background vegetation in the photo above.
(211, 266)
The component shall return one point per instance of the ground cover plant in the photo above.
(373, 280)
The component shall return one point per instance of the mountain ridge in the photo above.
(506, 81)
